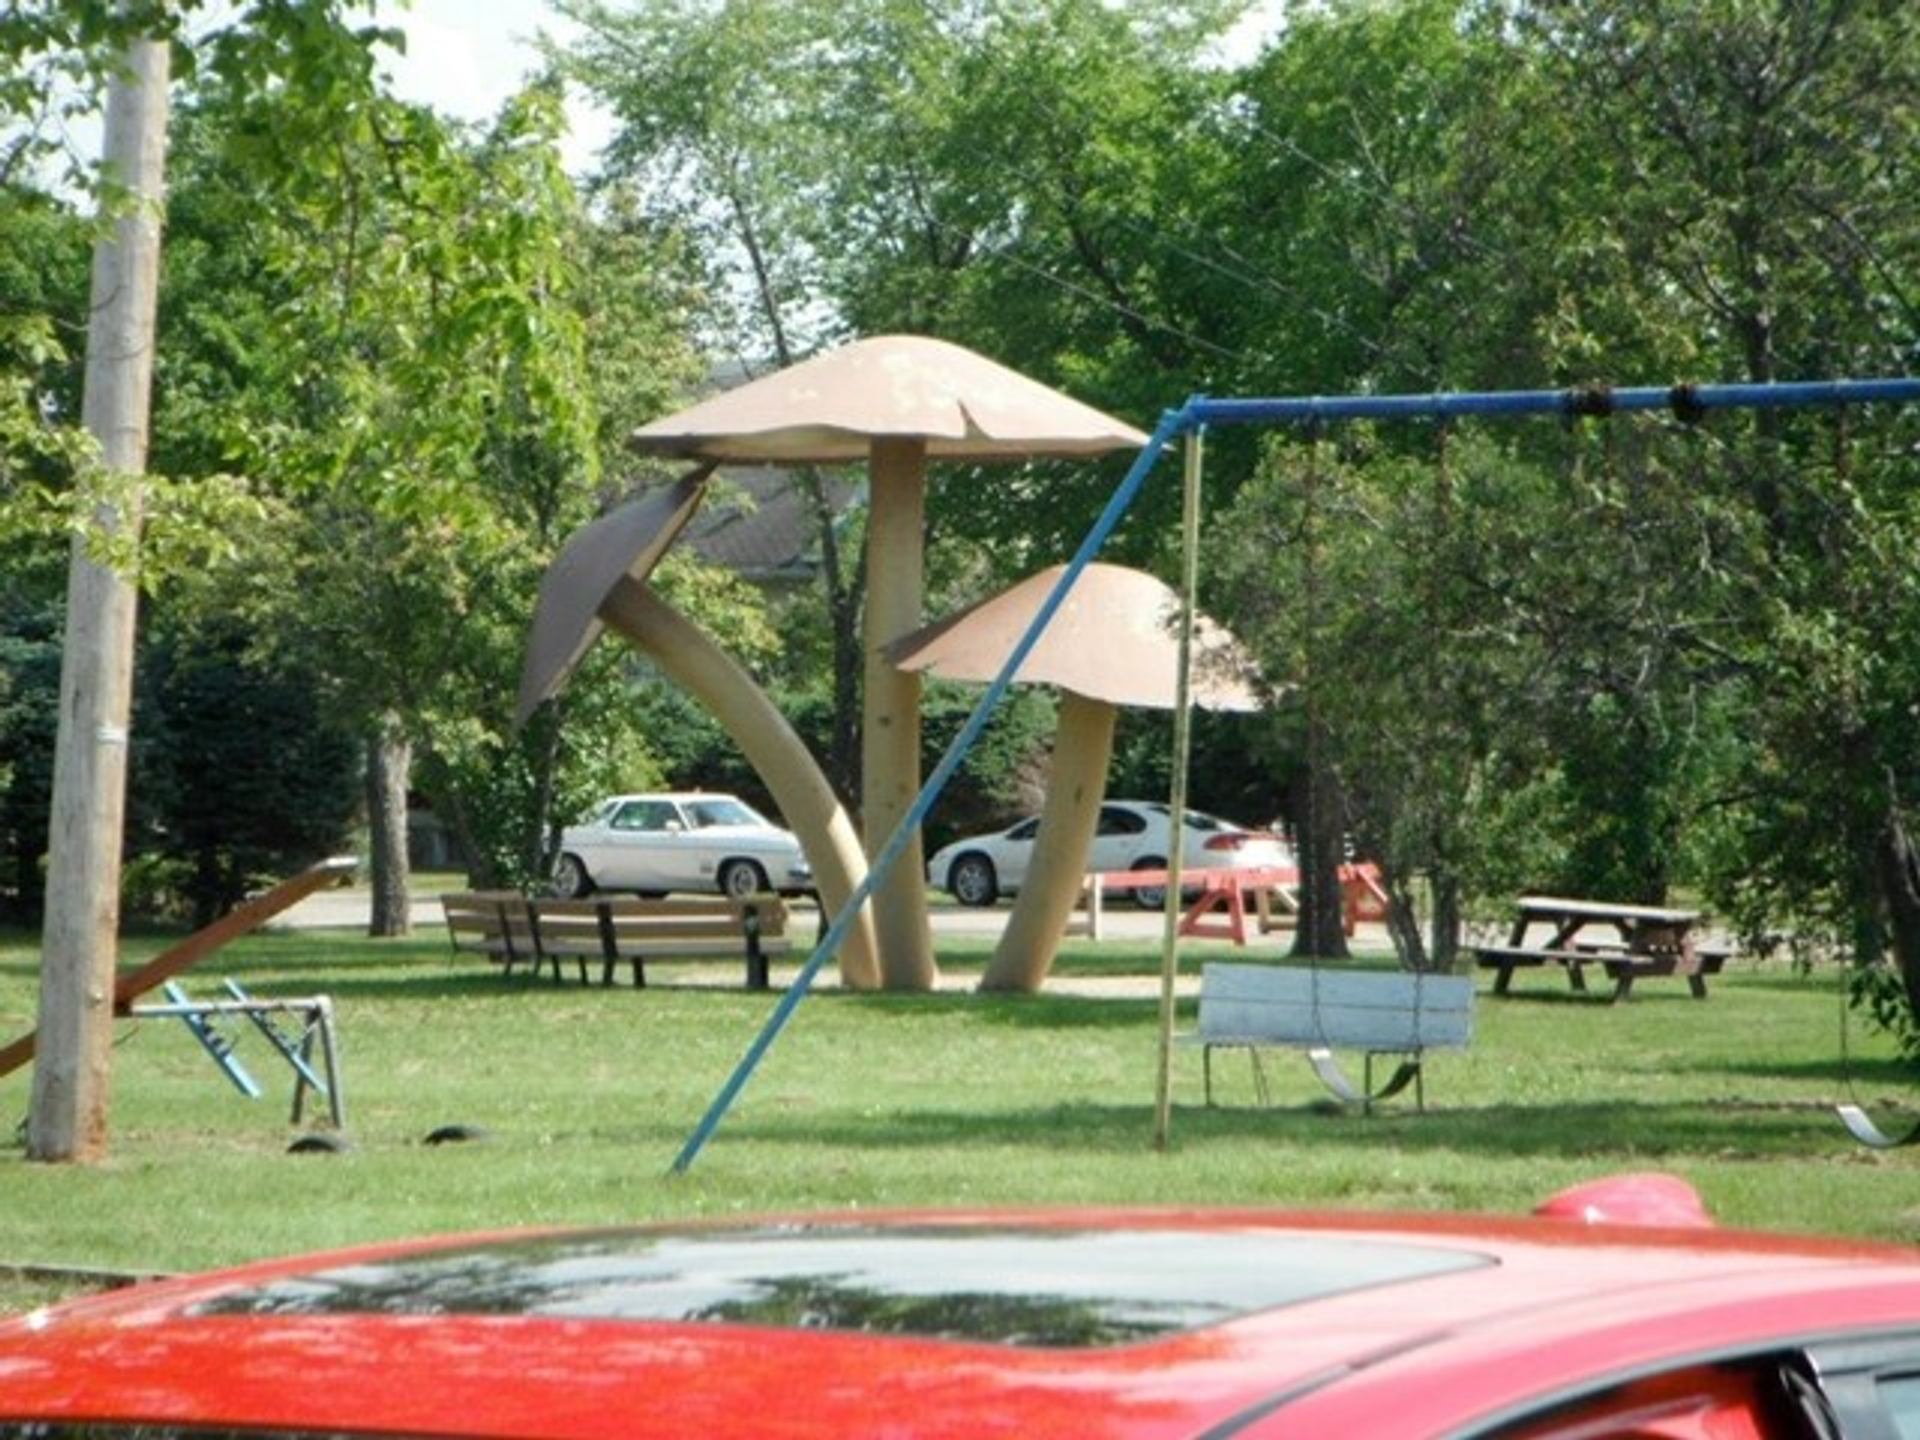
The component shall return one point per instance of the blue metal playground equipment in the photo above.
(1688, 402)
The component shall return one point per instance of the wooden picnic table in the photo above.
(1644, 940)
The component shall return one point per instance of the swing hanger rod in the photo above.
(1689, 402)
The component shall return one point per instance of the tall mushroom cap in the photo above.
(904, 387)
(1113, 638)
(627, 541)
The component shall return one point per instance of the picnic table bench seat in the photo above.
(1622, 966)
(1255, 1007)
(510, 928)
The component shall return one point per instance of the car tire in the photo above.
(973, 880)
(1149, 897)
(570, 878)
(741, 878)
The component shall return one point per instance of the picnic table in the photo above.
(1642, 940)
(1216, 901)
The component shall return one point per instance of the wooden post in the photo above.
(80, 941)
(890, 733)
(1177, 800)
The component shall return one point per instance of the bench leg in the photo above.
(1698, 985)
(1623, 987)
(1576, 977)
(1502, 980)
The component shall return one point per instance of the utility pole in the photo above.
(80, 940)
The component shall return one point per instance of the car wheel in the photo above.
(1149, 897)
(570, 878)
(973, 881)
(741, 878)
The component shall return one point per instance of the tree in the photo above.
(412, 378)
(1789, 253)
(231, 810)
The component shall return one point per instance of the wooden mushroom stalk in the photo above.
(1112, 642)
(599, 579)
(896, 402)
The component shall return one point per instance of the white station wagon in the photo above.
(693, 841)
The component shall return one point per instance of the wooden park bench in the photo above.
(632, 930)
(493, 923)
(509, 927)
(1256, 1007)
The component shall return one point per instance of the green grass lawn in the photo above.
(946, 1100)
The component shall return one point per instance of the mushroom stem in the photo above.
(890, 736)
(806, 800)
(1082, 748)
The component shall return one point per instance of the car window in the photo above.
(1115, 821)
(1025, 830)
(1198, 821)
(1900, 1396)
(722, 811)
(1009, 1286)
(1739, 1400)
(646, 815)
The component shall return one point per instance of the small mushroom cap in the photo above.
(904, 387)
(1114, 638)
(627, 541)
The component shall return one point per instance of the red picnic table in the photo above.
(1218, 909)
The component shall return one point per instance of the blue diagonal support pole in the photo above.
(1172, 424)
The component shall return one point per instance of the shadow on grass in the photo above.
(1860, 1069)
(1631, 1130)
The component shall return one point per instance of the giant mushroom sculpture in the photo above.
(895, 401)
(599, 579)
(1111, 643)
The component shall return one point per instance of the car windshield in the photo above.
(721, 810)
(1036, 1287)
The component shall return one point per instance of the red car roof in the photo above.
(1488, 1315)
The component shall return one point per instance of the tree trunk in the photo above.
(1322, 929)
(80, 937)
(1403, 922)
(1443, 943)
(1900, 886)
(389, 760)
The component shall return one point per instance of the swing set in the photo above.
(1190, 422)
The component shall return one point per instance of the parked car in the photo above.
(1130, 835)
(1092, 1323)
(693, 841)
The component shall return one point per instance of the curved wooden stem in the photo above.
(777, 754)
(1082, 748)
